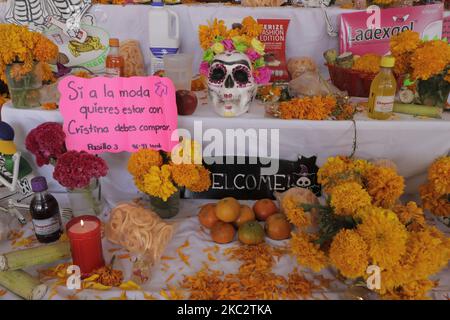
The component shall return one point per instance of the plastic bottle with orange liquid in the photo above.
(382, 91)
(114, 62)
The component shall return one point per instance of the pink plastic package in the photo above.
(359, 37)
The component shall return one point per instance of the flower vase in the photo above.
(87, 200)
(165, 209)
(24, 87)
(433, 91)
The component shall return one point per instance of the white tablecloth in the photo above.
(412, 144)
(307, 33)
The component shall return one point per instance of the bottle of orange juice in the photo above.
(382, 91)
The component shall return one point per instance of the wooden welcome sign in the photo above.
(245, 182)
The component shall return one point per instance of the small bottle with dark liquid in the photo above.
(45, 212)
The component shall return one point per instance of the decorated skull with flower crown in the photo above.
(233, 62)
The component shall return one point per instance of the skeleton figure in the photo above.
(29, 13)
(66, 9)
(35, 13)
(231, 86)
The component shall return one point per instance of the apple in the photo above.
(186, 102)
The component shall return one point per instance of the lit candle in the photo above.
(86, 243)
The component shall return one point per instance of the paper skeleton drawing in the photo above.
(36, 13)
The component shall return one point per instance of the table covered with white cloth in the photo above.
(195, 243)
(411, 143)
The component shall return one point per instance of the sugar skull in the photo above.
(231, 86)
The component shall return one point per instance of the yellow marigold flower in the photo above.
(349, 197)
(348, 253)
(203, 184)
(437, 204)
(413, 290)
(369, 63)
(207, 34)
(384, 185)
(429, 59)
(308, 254)
(404, 42)
(384, 234)
(185, 174)
(218, 48)
(141, 161)
(308, 108)
(22, 45)
(340, 169)
(439, 175)
(298, 217)
(251, 27)
(158, 183)
(427, 252)
(410, 215)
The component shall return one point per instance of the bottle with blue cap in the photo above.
(164, 34)
(44, 211)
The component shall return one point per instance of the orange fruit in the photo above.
(207, 215)
(278, 227)
(228, 209)
(222, 232)
(264, 208)
(245, 214)
(251, 232)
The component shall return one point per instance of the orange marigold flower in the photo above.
(410, 215)
(439, 175)
(369, 63)
(348, 198)
(384, 234)
(384, 185)
(308, 254)
(404, 42)
(437, 204)
(348, 253)
(308, 108)
(430, 59)
(50, 106)
(204, 182)
(141, 161)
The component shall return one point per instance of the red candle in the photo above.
(85, 237)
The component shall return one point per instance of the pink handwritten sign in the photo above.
(118, 114)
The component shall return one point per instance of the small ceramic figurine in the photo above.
(15, 172)
(231, 85)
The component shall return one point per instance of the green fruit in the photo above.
(251, 233)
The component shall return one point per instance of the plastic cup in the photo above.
(178, 67)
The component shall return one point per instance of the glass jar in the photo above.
(87, 200)
(165, 209)
(24, 88)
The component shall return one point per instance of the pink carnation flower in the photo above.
(46, 142)
(262, 75)
(228, 44)
(76, 169)
(252, 54)
(204, 68)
